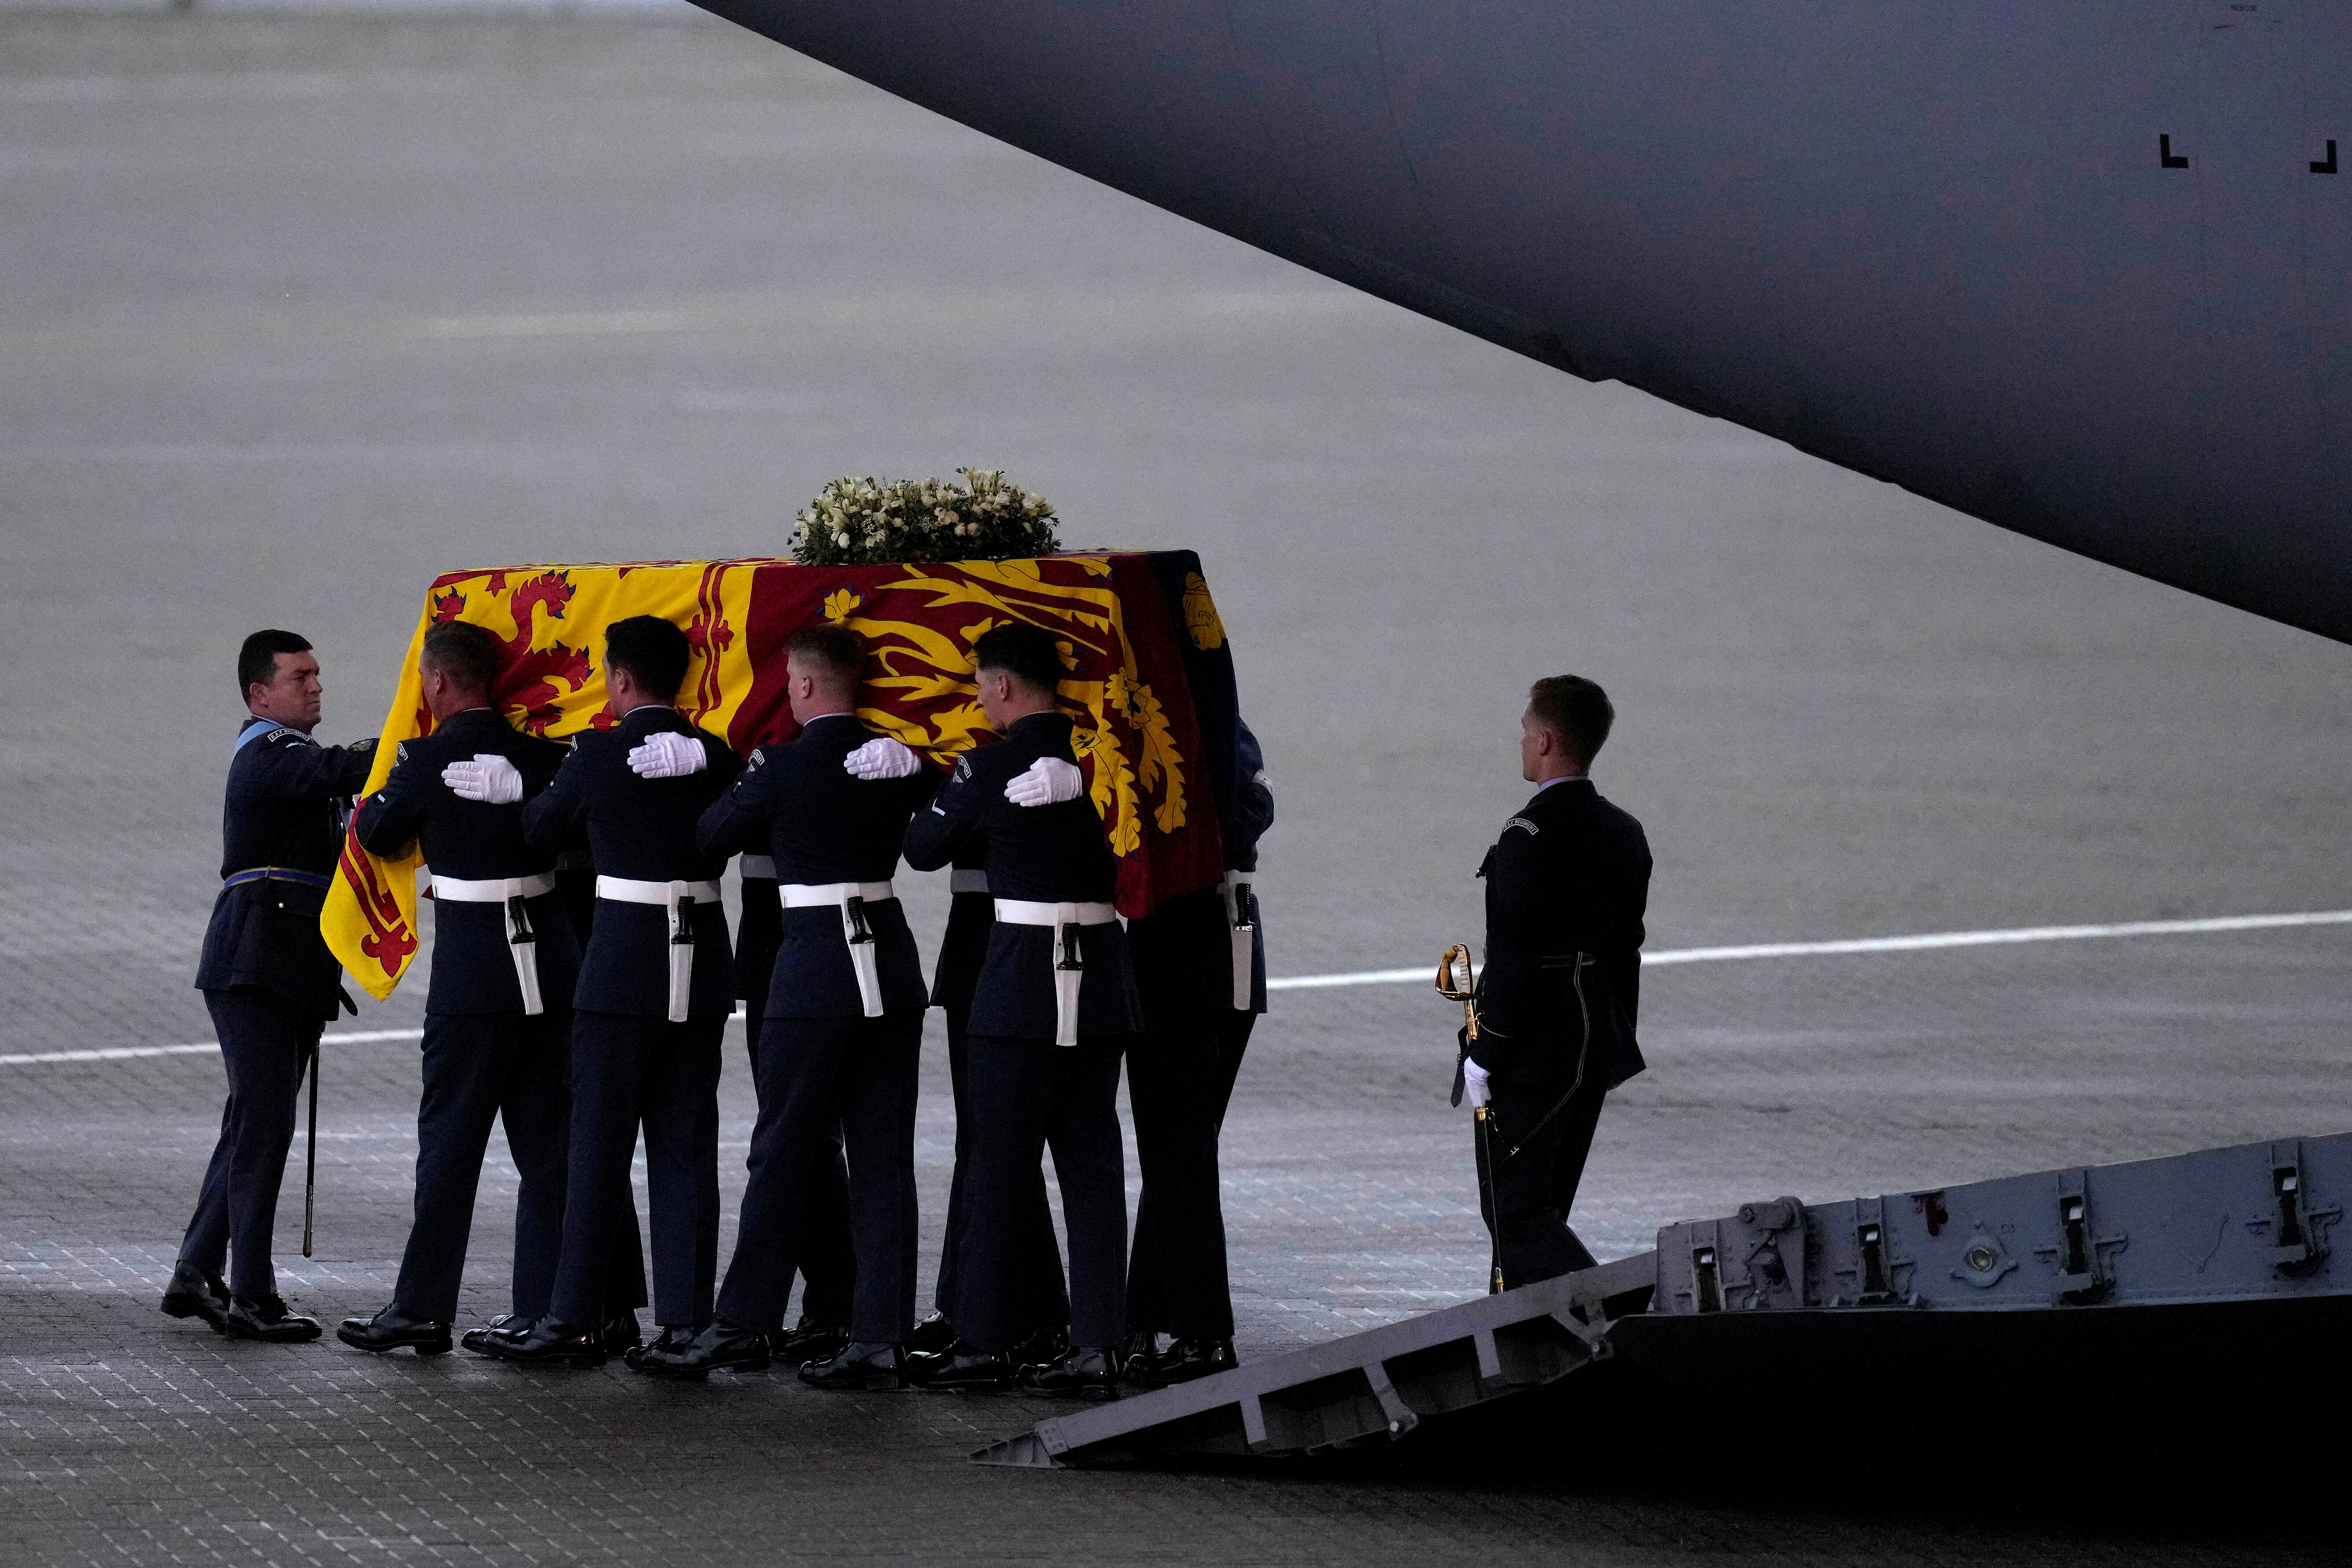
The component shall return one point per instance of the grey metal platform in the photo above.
(2092, 1265)
(1369, 1387)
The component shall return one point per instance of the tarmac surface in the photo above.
(297, 311)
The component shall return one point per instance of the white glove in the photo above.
(881, 758)
(667, 754)
(489, 778)
(1474, 1083)
(1049, 780)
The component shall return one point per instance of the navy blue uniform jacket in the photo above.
(641, 829)
(1183, 948)
(823, 824)
(1052, 854)
(964, 947)
(1570, 876)
(473, 969)
(283, 808)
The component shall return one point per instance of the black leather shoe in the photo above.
(1044, 1345)
(669, 1341)
(548, 1344)
(192, 1294)
(931, 1336)
(1143, 1345)
(621, 1335)
(805, 1344)
(721, 1347)
(961, 1369)
(506, 1326)
(1181, 1362)
(1084, 1371)
(872, 1367)
(391, 1329)
(268, 1321)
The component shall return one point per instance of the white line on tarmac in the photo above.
(1923, 942)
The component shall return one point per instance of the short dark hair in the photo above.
(1575, 710)
(465, 653)
(831, 647)
(256, 661)
(652, 650)
(1024, 651)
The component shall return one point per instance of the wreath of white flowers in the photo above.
(865, 522)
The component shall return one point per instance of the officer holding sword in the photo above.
(1552, 1025)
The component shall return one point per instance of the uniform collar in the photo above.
(1569, 787)
(1050, 716)
(473, 718)
(825, 718)
(643, 721)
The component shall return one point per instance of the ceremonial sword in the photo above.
(1456, 983)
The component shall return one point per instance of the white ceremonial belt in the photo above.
(851, 899)
(679, 899)
(805, 895)
(493, 891)
(758, 866)
(1069, 967)
(1029, 912)
(1240, 921)
(967, 881)
(523, 941)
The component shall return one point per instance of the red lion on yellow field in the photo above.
(528, 675)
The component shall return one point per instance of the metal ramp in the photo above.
(2093, 1274)
(1372, 1387)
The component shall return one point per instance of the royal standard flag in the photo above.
(1147, 676)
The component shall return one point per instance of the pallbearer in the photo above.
(1053, 1011)
(1566, 884)
(268, 980)
(655, 990)
(497, 1019)
(825, 1261)
(963, 949)
(1200, 968)
(843, 1025)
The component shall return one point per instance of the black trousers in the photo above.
(1026, 1096)
(1528, 1194)
(827, 1257)
(1180, 1079)
(827, 1084)
(508, 1067)
(266, 1043)
(629, 1071)
(1047, 1301)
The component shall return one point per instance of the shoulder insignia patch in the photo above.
(400, 751)
(1521, 822)
(964, 766)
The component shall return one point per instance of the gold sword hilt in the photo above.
(1457, 982)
